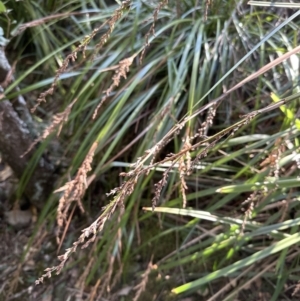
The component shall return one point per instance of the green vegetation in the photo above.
(177, 160)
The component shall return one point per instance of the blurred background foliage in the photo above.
(237, 238)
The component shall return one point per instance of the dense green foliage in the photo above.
(239, 227)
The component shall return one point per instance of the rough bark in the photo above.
(16, 138)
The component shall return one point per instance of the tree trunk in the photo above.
(16, 138)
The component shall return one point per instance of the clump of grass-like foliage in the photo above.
(184, 108)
